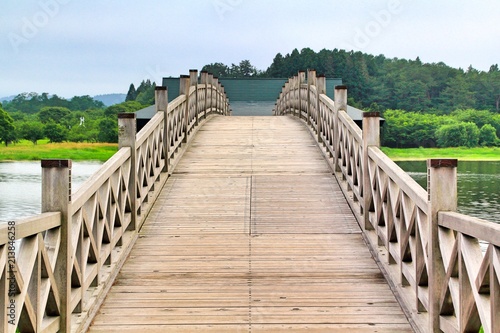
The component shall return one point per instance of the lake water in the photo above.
(478, 186)
(21, 186)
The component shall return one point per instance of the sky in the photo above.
(91, 47)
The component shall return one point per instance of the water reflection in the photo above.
(478, 186)
(21, 189)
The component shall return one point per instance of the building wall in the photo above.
(248, 89)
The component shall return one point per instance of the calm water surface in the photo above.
(21, 189)
(478, 186)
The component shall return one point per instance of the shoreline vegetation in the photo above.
(81, 151)
(27, 151)
(460, 153)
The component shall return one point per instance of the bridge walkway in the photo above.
(251, 233)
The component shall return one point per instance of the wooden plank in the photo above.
(251, 233)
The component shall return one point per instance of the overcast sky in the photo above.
(91, 47)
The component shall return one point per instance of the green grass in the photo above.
(464, 154)
(27, 151)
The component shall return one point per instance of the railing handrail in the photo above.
(29, 226)
(423, 238)
(80, 233)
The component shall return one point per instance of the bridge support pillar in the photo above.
(56, 197)
(371, 138)
(126, 138)
(161, 103)
(442, 196)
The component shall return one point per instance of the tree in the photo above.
(108, 131)
(131, 94)
(7, 129)
(32, 131)
(246, 69)
(82, 103)
(458, 135)
(131, 106)
(488, 136)
(218, 69)
(53, 113)
(55, 132)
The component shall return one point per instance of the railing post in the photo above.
(215, 82)
(442, 196)
(193, 74)
(126, 138)
(204, 81)
(371, 138)
(320, 89)
(302, 80)
(185, 83)
(311, 78)
(56, 197)
(161, 103)
(340, 103)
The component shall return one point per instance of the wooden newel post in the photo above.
(127, 129)
(185, 84)
(193, 74)
(442, 196)
(161, 103)
(371, 138)
(56, 197)
(320, 89)
(302, 80)
(340, 104)
(311, 81)
(204, 81)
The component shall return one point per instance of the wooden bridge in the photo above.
(204, 222)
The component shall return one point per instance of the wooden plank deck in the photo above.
(251, 234)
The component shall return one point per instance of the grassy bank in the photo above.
(464, 154)
(26, 151)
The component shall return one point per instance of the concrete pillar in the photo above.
(161, 103)
(56, 197)
(340, 104)
(126, 138)
(371, 138)
(442, 196)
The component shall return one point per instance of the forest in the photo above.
(424, 105)
(33, 117)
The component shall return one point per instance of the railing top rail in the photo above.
(92, 184)
(29, 226)
(409, 186)
(471, 226)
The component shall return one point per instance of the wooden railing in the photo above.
(56, 268)
(444, 267)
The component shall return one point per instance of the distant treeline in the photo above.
(380, 83)
(424, 105)
(32, 117)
